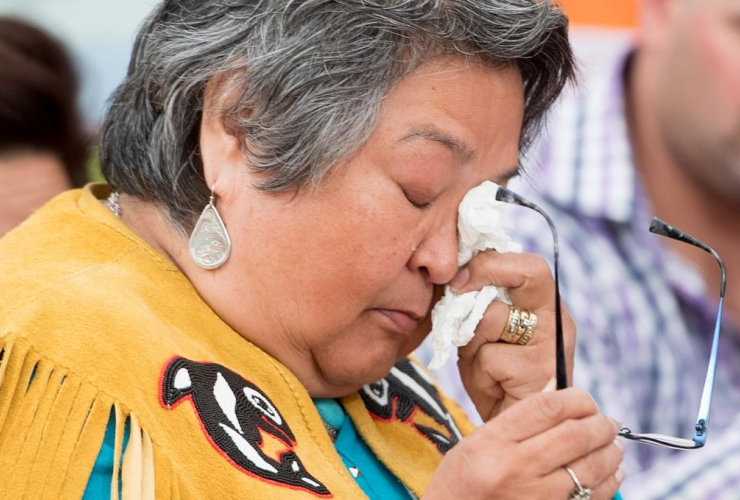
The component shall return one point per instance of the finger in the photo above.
(600, 466)
(485, 392)
(503, 374)
(551, 385)
(492, 325)
(541, 412)
(605, 490)
(527, 276)
(518, 370)
(489, 329)
(571, 440)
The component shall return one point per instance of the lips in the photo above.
(405, 322)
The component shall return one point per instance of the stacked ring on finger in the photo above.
(520, 326)
(509, 335)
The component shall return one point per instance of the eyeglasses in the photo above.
(661, 228)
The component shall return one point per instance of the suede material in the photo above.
(89, 316)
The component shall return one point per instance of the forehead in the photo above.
(466, 106)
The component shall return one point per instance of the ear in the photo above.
(221, 149)
(656, 18)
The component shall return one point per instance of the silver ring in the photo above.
(579, 493)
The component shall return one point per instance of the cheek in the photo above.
(718, 53)
(376, 232)
(352, 253)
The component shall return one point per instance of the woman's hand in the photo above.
(523, 451)
(497, 374)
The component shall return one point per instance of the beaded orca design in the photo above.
(234, 413)
(405, 390)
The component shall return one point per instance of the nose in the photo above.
(436, 255)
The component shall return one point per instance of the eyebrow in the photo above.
(463, 152)
(508, 175)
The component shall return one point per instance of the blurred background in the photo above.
(99, 34)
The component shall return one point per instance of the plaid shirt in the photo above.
(644, 316)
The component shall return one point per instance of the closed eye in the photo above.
(417, 204)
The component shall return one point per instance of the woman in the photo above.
(284, 183)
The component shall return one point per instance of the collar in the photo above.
(586, 162)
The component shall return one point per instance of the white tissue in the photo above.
(481, 225)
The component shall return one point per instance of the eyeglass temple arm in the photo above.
(662, 228)
(561, 369)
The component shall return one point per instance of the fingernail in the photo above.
(619, 475)
(597, 404)
(551, 386)
(460, 279)
(619, 444)
(617, 425)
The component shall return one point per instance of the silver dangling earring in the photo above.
(210, 244)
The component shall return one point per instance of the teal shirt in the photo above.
(374, 478)
(98, 486)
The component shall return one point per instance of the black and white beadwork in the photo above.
(234, 412)
(404, 390)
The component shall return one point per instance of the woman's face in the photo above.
(337, 282)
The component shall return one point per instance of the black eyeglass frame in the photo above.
(561, 368)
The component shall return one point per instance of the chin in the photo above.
(348, 372)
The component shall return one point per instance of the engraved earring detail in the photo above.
(210, 244)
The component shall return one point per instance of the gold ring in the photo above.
(509, 335)
(527, 324)
(512, 331)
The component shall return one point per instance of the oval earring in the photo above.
(210, 244)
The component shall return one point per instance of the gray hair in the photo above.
(309, 77)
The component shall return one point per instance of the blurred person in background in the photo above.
(658, 133)
(43, 148)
